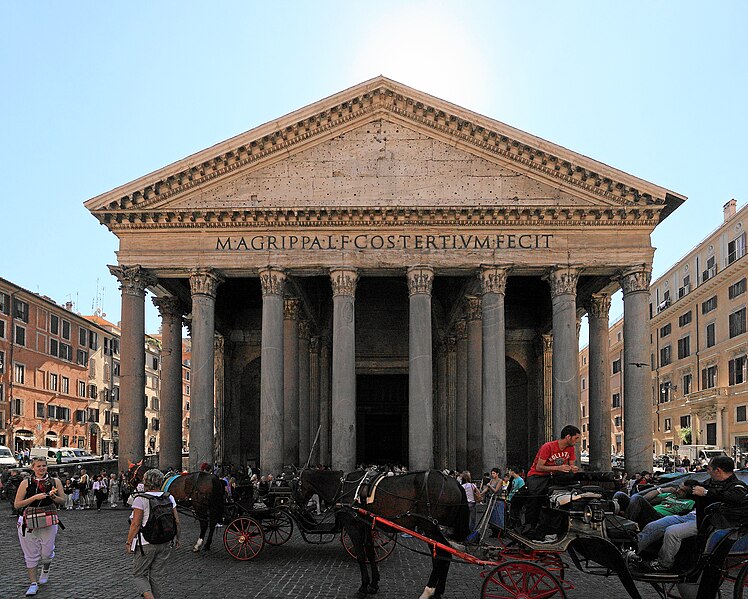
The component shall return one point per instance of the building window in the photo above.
(666, 355)
(711, 269)
(93, 415)
(93, 392)
(82, 358)
(81, 389)
(740, 415)
(711, 338)
(737, 370)
(2, 365)
(187, 390)
(54, 324)
(54, 347)
(2, 329)
(154, 363)
(685, 421)
(617, 421)
(154, 424)
(684, 319)
(668, 425)
(19, 371)
(65, 385)
(187, 375)
(737, 289)
(93, 340)
(66, 352)
(39, 409)
(737, 323)
(711, 433)
(584, 383)
(665, 331)
(736, 248)
(687, 383)
(17, 406)
(617, 365)
(20, 310)
(709, 305)
(115, 368)
(684, 347)
(66, 329)
(115, 419)
(666, 389)
(616, 400)
(709, 377)
(187, 406)
(20, 336)
(686, 286)
(5, 303)
(53, 382)
(82, 336)
(154, 403)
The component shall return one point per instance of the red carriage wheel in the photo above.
(243, 538)
(278, 528)
(521, 580)
(740, 589)
(384, 543)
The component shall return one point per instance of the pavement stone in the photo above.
(91, 563)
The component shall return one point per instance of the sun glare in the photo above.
(419, 47)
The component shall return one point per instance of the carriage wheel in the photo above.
(740, 588)
(521, 580)
(243, 538)
(384, 543)
(278, 528)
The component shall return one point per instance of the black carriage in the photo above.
(273, 518)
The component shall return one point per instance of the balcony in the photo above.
(706, 395)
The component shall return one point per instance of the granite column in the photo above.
(461, 395)
(291, 381)
(599, 390)
(303, 387)
(474, 385)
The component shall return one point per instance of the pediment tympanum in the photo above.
(382, 150)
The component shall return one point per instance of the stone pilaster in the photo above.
(441, 447)
(204, 284)
(170, 397)
(599, 388)
(303, 386)
(547, 348)
(133, 281)
(343, 407)
(473, 313)
(420, 365)
(325, 408)
(637, 411)
(493, 284)
(566, 410)
(291, 307)
(461, 395)
(219, 390)
(271, 376)
(451, 343)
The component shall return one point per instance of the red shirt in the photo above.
(551, 454)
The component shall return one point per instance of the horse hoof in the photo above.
(428, 593)
(372, 589)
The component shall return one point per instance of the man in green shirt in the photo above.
(657, 503)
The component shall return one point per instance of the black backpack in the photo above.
(161, 526)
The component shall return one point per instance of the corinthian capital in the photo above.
(563, 281)
(291, 307)
(205, 281)
(420, 279)
(273, 281)
(599, 305)
(461, 329)
(304, 329)
(635, 279)
(493, 279)
(473, 309)
(169, 307)
(344, 281)
(132, 279)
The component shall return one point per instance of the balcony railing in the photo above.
(706, 394)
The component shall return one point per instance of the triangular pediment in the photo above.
(381, 144)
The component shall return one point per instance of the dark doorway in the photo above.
(382, 419)
(517, 417)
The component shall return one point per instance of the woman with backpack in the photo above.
(154, 526)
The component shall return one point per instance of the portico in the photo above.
(382, 232)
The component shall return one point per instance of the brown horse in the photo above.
(200, 492)
(421, 501)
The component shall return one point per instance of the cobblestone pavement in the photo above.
(91, 564)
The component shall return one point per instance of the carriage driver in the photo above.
(555, 458)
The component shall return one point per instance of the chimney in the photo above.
(69, 306)
(730, 209)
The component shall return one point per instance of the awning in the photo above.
(24, 435)
(51, 435)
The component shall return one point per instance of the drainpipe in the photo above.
(10, 369)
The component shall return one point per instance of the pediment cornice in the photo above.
(380, 97)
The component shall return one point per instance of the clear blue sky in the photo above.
(96, 94)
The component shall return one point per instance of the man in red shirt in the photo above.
(553, 458)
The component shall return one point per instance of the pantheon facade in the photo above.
(384, 277)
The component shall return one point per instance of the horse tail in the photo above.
(217, 499)
(462, 526)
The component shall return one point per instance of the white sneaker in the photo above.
(33, 589)
(44, 576)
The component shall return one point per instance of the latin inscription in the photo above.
(528, 241)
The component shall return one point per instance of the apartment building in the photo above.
(615, 356)
(699, 348)
(699, 343)
(45, 357)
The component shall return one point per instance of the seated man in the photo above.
(651, 505)
(722, 486)
(554, 457)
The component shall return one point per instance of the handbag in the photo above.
(39, 517)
